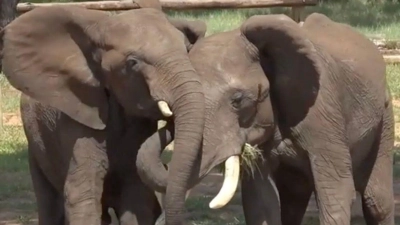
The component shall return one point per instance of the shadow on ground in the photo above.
(17, 202)
(202, 194)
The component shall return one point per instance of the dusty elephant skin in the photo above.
(8, 12)
(58, 146)
(91, 81)
(315, 99)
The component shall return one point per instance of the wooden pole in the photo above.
(392, 59)
(174, 4)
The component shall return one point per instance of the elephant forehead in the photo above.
(220, 56)
(149, 38)
(143, 15)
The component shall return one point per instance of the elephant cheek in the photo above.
(259, 135)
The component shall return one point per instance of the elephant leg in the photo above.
(294, 192)
(260, 199)
(84, 183)
(138, 205)
(377, 195)
(49, 202)
(331, 167)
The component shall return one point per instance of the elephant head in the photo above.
(259, 82)
(72, 58)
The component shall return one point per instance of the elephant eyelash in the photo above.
(131, 62)
(261, 95)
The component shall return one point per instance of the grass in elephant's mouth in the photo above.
(250, 156)
(248, 159)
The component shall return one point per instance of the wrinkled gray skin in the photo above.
(315, 99)
(73, 66)
(8, 12)
(55, 140)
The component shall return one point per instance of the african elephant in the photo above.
(315, 99)
(73, 66)
(8, 12)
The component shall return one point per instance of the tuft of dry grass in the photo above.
(250, 157)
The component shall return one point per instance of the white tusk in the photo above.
(166, 154)
(161, 124)
(187, 194)
(170, 147)
(231, 180)
(164, 108)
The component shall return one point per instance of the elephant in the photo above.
(8, 12)
(313, 97)
(89, 80)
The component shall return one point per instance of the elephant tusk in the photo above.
(170, 147)
(161, 124)
(166, 154)
(164, 108)
(231, 180)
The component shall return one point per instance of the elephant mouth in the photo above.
(244, 161)
(232, 164)
(230, 183)
(241, 158)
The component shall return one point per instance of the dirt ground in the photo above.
(212, 184)
(206, 189)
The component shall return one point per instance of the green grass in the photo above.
(374, 20)
(17, 201)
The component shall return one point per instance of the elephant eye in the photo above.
(236, 99)
(131, 62)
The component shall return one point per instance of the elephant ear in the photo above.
(193, 30)
(291, 61)
(48, 56)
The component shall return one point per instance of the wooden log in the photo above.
(174, 4)
(392, 59)
(390, 51)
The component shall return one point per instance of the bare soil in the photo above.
(12, 119)
(208, 188)
(211, 185)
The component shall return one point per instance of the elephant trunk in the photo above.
(186, 100)
(188, 107)
(149, 164)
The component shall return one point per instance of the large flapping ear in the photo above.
(193, 30)
(48, 56)
(295, 62)
(344, 42)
